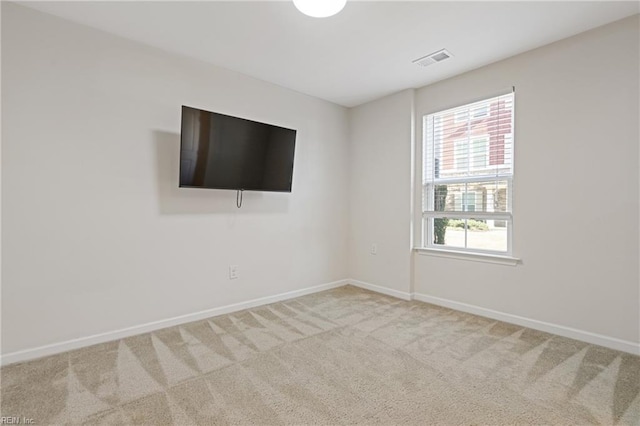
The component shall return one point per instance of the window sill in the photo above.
(475, 257)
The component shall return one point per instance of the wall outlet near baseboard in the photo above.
(374, 249)
(233, 272)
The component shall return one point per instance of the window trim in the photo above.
(500, 259)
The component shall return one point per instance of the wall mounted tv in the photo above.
(218, 151)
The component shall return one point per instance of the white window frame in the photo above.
(428, 196)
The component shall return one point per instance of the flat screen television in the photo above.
(218, 151)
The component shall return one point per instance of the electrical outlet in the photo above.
(374, 249)
(233, 272)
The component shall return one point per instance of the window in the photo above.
(469, 201)
(461, 116)
(476, 113)
(468, 176)
(479, 112)
(473, 153)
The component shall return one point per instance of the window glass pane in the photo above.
(469, 155)
(471, 197)
(461, 116)
(486, 235)
(446, 234)
(479, 234)
(473, 140)
(460, 157)
(478, 153)
(480, 112)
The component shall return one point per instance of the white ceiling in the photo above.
(361, 54)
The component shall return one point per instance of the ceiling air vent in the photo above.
(432, 58)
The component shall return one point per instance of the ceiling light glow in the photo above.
(319, 8)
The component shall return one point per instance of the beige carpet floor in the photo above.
(344, 356)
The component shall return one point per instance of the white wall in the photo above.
(380, 192)
(575, 186)
(97, 235)
(0, 184)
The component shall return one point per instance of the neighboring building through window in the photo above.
(471, 153)
(468, 176)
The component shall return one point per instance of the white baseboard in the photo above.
(379, 289)
(572, 333)
(29, 354)
(585, 336)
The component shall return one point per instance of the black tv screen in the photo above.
(218, 151)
